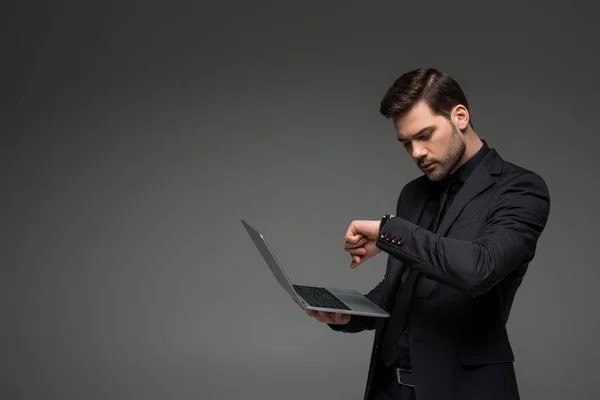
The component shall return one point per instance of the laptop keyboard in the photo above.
(319, 297)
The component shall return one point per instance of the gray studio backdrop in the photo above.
(135, 137)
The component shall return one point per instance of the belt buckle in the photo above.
(399, 372)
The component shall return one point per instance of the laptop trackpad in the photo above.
(355, 300)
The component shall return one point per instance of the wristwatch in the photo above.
(385, 219)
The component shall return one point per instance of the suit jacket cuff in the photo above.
(398, 237)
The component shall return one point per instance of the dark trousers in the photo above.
(387, 388)
(395, 393)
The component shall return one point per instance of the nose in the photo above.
(418, 151)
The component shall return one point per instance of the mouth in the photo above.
(428, 166)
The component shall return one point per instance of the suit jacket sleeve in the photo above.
(516, 219)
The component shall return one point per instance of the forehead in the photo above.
(419, 117)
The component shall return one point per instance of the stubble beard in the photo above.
(455, 154)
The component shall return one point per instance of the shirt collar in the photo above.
(467, 168)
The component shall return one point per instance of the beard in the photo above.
(456, 151)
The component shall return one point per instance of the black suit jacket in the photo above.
(470, 271)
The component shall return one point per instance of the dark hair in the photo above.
(439, 90)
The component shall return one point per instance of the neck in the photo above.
(472, 143)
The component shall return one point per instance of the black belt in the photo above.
(404, 376)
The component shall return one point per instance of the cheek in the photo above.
(438, 146)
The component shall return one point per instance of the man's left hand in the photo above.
(360, 241)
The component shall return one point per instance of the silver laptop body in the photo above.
(320, 298)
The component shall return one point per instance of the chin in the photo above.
(434, 175)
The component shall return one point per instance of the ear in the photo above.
(460, 117)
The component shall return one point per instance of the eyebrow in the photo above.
(419, 133)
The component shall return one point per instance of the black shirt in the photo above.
(451, 185)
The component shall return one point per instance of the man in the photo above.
(458, 246)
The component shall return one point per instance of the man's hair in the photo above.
(439, 91)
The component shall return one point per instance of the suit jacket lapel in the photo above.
(482, 177)
(415, 201)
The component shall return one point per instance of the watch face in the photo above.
(384, 219)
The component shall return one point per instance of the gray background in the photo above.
(135, 136)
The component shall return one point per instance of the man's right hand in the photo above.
(329, 317)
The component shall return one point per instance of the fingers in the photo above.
(355, 240)
(329, 317)
(351, 232)
(359, 257)
(339, 318)
(323, 316)
(359, 244)
(361, 251)
(355, 244)
(362, 228)
(356, 261)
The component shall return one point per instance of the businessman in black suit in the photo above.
(458, 246)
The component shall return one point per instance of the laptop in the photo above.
(319, 298)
